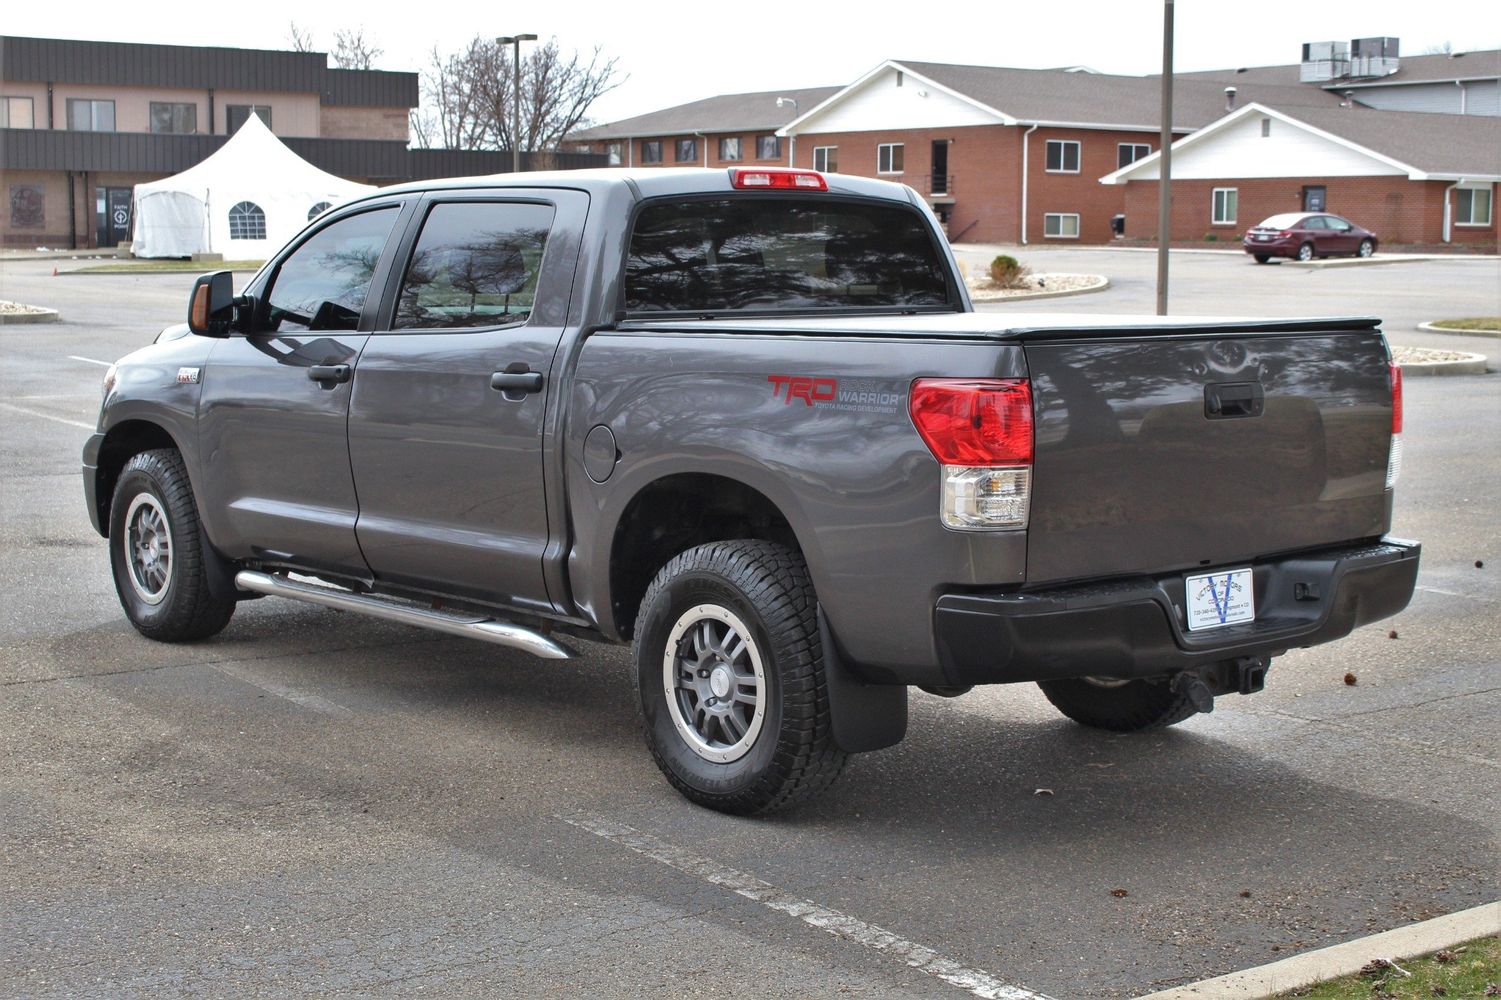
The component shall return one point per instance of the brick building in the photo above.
(1412, 178)
(82, 122)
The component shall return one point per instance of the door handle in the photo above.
(522, 382)
(330, 373)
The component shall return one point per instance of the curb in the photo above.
(1475, 364)
(1356, 262)
(1342, 959)
(1430, 328)
(988, 297)
(41, 316)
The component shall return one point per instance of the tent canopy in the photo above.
(243, 201)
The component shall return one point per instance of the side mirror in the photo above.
(211, 306)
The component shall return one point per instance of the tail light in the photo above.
(980, 430)
(1394, 456)
(778, 180)
(1284, 234)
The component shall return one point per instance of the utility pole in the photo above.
(516, 41)
(1165, 168)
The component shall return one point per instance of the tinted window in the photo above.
(781, 253)
(475, 265)
(323, 284)
(1314, 222)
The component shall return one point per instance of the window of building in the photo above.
(179, 118)
(235, 115)
(889, 157)
(1062, 225)
(1472, 207)
(729, 148)
(651, 151)
(826, 159)
(1127, 153)
(323, 283)
(687, 150)
(247, 221)
(17, 112)
(86, 115)
(616, 153)
(768, 147)
(475, 265)
(1223, 211)
(318, 210)
(1063, 156)
(1266, 127)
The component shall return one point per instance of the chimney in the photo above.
(1230, 93)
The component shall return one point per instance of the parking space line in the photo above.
(306, 699)
(46, 416)
(841, 925)
(92, 361)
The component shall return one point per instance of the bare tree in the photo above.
(468, 96)
(353, 51)
(302, 41)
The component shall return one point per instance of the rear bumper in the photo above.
(1134, 627)
(1272, 248)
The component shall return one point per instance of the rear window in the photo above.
(782, 254)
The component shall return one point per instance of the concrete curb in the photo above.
(1475, 364)
(1375, 261)
(1343, 959)
(1099, 286)
(42, 316)
(1430, 328)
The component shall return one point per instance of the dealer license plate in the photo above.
(1218, 599)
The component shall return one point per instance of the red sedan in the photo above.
(1306, 235)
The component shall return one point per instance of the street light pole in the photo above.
(516, 40)
(791, 139)
(1165, 169)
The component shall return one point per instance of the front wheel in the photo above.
(729, 673)
(157, 552)
(1121, 706)
(1305, 252)
(1367, 248)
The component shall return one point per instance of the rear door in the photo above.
(275, 402)
(1158, 452)
(451, 394)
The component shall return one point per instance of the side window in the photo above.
(475, 265)
(323, 284)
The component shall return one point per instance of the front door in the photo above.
(112, 215)
(275, 406)
(1313, 197)
(451, 394)
(940, 183)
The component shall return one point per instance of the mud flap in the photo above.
(865, 716)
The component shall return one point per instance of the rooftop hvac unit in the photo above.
(1373, 57)
(1324, 61)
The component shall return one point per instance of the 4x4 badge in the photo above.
(187, 376)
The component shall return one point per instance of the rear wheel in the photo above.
(1121, 706)
(1305, 251)
(729, 672)
(1263, 258)
(157, 552)
(1367, 248)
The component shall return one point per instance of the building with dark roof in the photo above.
(82, 122)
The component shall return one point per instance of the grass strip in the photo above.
(1471, 970)
(1472, 323)
(164, 266)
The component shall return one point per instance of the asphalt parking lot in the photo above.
(318, 804)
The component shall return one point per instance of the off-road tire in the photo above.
(185, 610)
(1131, 707)
(765, 586)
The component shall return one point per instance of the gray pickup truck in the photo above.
(748, 421)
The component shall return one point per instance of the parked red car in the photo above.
(1306, 235)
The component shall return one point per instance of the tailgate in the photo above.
(1157, 452)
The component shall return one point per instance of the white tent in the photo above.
(244, 201)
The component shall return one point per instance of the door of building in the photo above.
(1313, 198)
(940, 168)
(112, 215)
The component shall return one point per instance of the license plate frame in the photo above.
(1220, 599)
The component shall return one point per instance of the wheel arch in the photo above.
(122, 442)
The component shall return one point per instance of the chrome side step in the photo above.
(469, 625)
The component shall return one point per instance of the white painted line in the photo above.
(46, 416)
(1343, 959)
(306, 699)
(92, 361)
(919, 957)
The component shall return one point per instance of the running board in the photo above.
(471, 626)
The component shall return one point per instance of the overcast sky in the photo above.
(676, 51)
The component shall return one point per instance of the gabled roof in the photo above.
(1059, 97)
(756, 112)
(1425, 146)
(1479, 65)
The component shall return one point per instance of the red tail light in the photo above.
(1284, 234)
(1396, 398)
(778, 179)
(974, 422)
